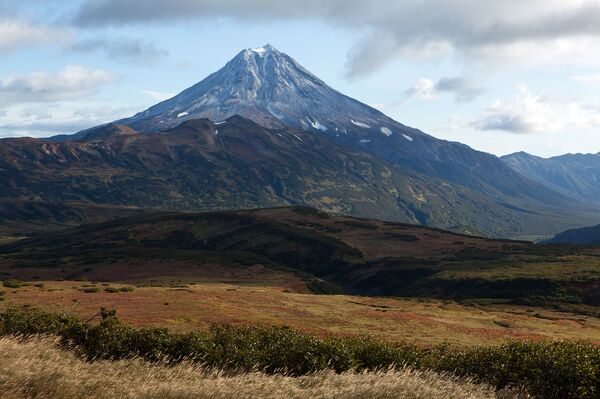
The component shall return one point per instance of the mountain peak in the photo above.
(261, 52)
(272, 89)
(266, 49)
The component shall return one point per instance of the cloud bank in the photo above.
(74, 81)
(533, 31)
(535, 113)
(134, 51)
(15, 34)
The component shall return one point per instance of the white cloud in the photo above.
(56, 118)
(74, 81)
(531, 113)
(462, 89)
(15, 34)
(423, 88)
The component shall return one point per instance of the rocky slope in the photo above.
(576, 175)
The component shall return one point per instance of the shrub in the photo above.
(13, 283)
(89, 290)
(551, 370)
(117, 289)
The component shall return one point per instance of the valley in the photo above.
(270, 265)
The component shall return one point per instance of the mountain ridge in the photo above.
(274, 90)
(411, 175)
(240, 164)
(575, 175)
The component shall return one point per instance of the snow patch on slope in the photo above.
(386, 131)
(316, 124)
(259, 50)
(360, 124)
(407, 137)
(179, 115)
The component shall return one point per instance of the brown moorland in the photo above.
(186, 307)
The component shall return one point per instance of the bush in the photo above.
(90, 290)
(121, 289)
(552, 369)
(13, 283)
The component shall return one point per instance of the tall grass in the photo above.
(550, 370)
(36, 368)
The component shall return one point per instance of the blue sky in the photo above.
(499, 76)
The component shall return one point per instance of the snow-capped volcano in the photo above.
(271, 88)
(274, 90)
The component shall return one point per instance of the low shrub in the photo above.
(118, 289)
(551, 369)
(90, 290)
(12, 283)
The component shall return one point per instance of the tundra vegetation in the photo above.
(547, 369)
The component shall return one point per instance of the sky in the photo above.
(500, 77)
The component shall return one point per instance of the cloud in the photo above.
(15, 34)
(74, 81)
(133, 51)
(50, 119)
(462, 89)
(423, 88)
(530, 113)
(533, 31)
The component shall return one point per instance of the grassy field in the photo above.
(183, 306)
(37, 368)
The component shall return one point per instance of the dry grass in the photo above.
(37, 368)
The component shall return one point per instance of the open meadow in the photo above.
(185, 307)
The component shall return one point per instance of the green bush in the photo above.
(116, 289)
(551, 369)
(90, 290)
(13, 283)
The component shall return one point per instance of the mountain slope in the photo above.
(330, 253)
(274, 90)
(236, 163)
(24, 217)
(582, 236)
(452, 185)
(576, 175)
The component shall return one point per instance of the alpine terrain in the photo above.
(264, 131)
(576, 175)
